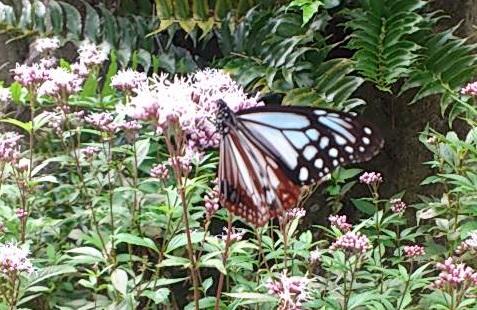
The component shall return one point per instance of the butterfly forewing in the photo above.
(309, 143)
(267, 152)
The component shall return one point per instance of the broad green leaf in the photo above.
(49, 272)
(135, 240)
(180, 240)
(142, 149)
(157, 296)
(119, 279)
(90, 251)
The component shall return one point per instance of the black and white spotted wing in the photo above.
(309, 143)
(267, 152)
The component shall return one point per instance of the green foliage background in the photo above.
(306, 52)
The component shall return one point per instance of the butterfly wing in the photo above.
(307, 143)
(252, 184)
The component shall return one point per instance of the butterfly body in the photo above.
(267, 153)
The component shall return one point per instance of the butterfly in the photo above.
(268, 153)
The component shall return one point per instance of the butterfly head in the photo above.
(224, 117)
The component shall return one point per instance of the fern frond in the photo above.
(446, 64)
(272, 52)
(384, 52)
(61, 19)
(206, 15)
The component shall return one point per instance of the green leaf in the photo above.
(204, 303)
(142, 149)
(119, 279)
(91, 22)
(46, 178)
(90, 86)
(159, 296)
(16, 92)
(309, 8)
(73, 21)
(135, 240)
(384, 52)
(214, 263)
(256, 297)
(27, 126)
(110, 26)
(180, 240)
(56, 17)
(364, 206)
(89, 251)
(112, 70)
(49, 272)
(171, 261)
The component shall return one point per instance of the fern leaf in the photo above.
(65, 21)
(384, 52)
(446, 64)
(290, 60)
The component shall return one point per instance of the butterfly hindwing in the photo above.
(252, 184)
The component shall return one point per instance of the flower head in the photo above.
(90, 152)
(412, 251)
(183, 163)
(352, 243)
(371, 178)
(4, 95)
(211, 201)
(291, 291)
(80, 69)
(21, 213)
(22, 166)
(103, 121)
(48, 62)
(159, 171)
(60, 83)
(46, 45)
(14, 259)
(315, 256)
(30, 75)
(296, 213)
(129, 80)
(236, 234)
(9, 147)
(469, 244)
(470, 89)
(189, 103)
(454, 276)
(89, 54)
(339, 221)
(131, 129)
(398, 206)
